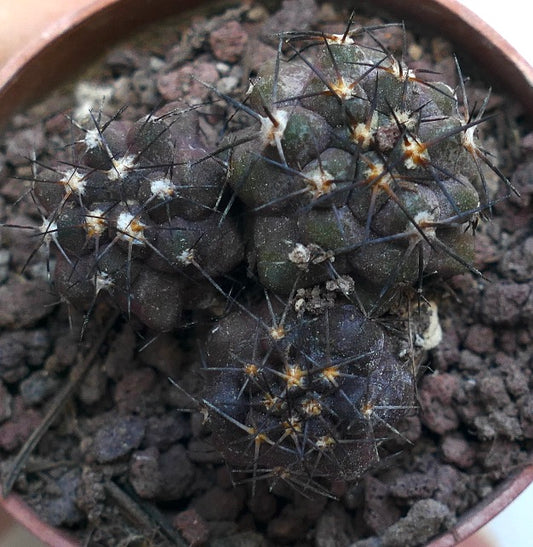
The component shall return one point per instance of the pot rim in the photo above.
(20, 511)
(482, 513)
(44, 63)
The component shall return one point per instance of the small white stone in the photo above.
(432, 336)
(156, 63)
(223, 68)
(227, 84)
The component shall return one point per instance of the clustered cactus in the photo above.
(298, 400)
(350, 180)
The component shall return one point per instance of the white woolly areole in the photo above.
(468, 139)
(95, 223)
(377, 174)
(103, 281)
(400, 70)
(130, 228)
(415, 153)
(362, 135)
(300, 254)
(186, 257)
(92, 139)
(339, 39)
(424, 220)
(74, 182)
(319, 182)
(162, 188)
(49, 230)
(121, 167)
(343, 90)
(404, 118)
(325, 442)
(271, 133)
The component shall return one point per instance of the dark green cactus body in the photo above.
(314, 397)
(353, 154)
(137, 217)
(354, 179)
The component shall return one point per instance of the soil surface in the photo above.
(125, 463)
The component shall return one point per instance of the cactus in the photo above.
(359, 177)
(307, 398)
(356, 166)
(350, 182)
(135, 215)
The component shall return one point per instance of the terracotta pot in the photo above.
(15, 506)
(72, 42)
